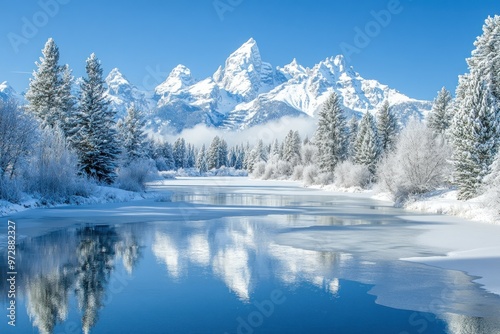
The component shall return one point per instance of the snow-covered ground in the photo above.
(102, 194)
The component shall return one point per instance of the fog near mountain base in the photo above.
(202, 134)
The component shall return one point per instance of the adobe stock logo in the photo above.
(31, 25)
(263, 310)
(223, 6)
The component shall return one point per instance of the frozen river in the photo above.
(232, 255)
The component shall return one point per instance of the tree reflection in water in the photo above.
(76, 260)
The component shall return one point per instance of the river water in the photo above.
(232, 255)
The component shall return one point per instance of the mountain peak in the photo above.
(339, 61)
(179, 78)
(7, 92)
(293, 69)
(241, 74)
(251, 41)
(115, 78)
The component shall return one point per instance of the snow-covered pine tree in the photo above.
(168, 154)
(246, 156)
(331, 136)
(223, 153)
(440, 115)
(387, 127)
(94, 136)
(275, 151)
(261, 151)
(292, 146)
(368, 148)
(190, 156)
(474, 138)
(132, 135)
(352, 127)
(240, 157)
(68, 101)
(214, 154)
(231, 157)
(201, 160)
(476, 122)
(179, 153)
(48, 94)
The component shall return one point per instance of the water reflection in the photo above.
(240, 253)
(53, 267)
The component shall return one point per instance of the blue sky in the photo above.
(418, 49)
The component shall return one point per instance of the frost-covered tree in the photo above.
(291, 149)
(476, 128)
(16, 138)
(190, 156)
(475, 135)
(492, 182)
(217, 153)
(275, 150)
(309, 154)
(367, 146)
(201, 160)
(53, 167)
(418, 163)
(49, 92)
(352, 128)
(239, 153)
(68, 101)
(180, 153)
(223, 153)
(440, 115)
(132, 135)
(95, 136)
(331, 134)
(261, 151)
(387, 127)
(163, 155)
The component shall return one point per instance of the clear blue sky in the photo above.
(422, 48)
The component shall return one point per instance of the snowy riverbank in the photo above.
(101, 195)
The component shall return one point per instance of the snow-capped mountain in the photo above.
(123, 94)
(247, 91)
(8, 93)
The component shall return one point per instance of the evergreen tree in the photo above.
(440, 115)
(49, 95)
(239, 157)
(132, 135)
(223, 153)
(246, 157)
(387, 127)
(353, 127)
(68, 101)
(275, 150)
(474, 137)
(292, 148)
(261, 152)
(214, 154)
(367, 145)
(475, 129)
(168, 153)
(191, 156)
(94, 136)
(331, 136)
(201, 160)
(179, 153)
